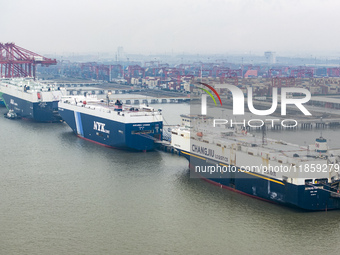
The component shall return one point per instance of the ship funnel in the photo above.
(321, 145)
(118, 106)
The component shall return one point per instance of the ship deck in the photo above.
(254, 145)
(104, 106)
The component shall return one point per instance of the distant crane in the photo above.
(19, 62)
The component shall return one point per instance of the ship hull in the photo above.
(314, 197)
(38, 111)
(113, 133)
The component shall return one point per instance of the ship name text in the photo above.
(208, 152)
(12, 102)
(100, 127)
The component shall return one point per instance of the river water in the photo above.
(60, 194)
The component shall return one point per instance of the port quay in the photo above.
(127, 94)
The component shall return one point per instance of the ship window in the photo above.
(321, 181)
(137, 132)
(219, 145)
(308, 181)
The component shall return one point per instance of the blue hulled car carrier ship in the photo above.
(306, 177)
(26, 98)
(112, 124)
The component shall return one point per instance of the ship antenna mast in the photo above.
(108, 98)
(264, 135)
(201, 74)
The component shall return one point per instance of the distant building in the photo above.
(250, 74)
(120, 54)
(270, 57)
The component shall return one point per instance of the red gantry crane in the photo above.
(19, 62)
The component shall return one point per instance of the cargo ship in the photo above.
(305, 177)
(27, 98)
(112, 124)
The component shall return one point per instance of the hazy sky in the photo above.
(156, 26)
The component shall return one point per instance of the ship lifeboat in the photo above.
(200, 134)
